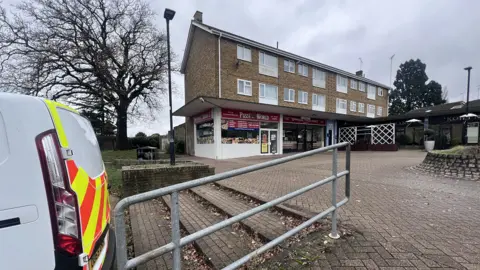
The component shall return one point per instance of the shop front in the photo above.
(302, 133)
(246, 133)
(204, 134)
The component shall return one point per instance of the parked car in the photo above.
(54, 200)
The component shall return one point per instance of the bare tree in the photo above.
(445, 93)
(84, 52)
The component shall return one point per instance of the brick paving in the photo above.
(403, 219)
(222, 247)
(151, 230)
(266, 224)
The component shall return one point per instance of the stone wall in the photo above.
(457, 166)
(120, 163)
(142, 178)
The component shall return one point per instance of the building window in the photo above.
(361, 107)
(371, 92)
(353, 106)
(244, 53)
(205, 133)
(289, 95)
(318, 78)
(353, 84)
(361, 86)
(379, 111)
(342, 83)
(380, 92)
(268, 94)
(302, 97)
(370, 110)
(289, 66)
(318, 102)
(244, 87)
(341, 106)
(303, 70)
(268, 65)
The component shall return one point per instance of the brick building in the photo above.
(244, 98)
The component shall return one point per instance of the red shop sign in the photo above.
(203, 117)
(247, 115)
(303, 120)
(243, 125)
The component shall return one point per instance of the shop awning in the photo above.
(202, 104)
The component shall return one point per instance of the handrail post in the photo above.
(347, 168)
(333, 234)
(120, 240)
(177, 263)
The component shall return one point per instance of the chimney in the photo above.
(198, 16)
(359, 73)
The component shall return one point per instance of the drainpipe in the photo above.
(219, 68)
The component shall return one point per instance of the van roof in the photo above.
(4, 95)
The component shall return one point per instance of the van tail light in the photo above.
(64, 210)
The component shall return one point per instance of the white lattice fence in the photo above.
(347, 134)
(383, 134)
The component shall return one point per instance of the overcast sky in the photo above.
(442, 33)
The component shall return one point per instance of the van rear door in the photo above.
(87, 176)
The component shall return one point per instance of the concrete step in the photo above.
(268, 225)
(149, 231)
(222, 247)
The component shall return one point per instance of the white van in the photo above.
(54, 200)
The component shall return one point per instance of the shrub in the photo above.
(179, 148)
(430, 134)
(455, 142)
(441, 142)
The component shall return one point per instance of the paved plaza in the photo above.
(407, 220)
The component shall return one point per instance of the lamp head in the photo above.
(468, 68)
(169, 14)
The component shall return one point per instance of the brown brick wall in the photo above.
(138, 179)
(201, 75)
(231, 71)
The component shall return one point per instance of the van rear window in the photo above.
(83, 141)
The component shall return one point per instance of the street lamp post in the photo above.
(168, 15)
(465, 140)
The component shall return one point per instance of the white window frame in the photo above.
(342, 84)
(380, 92)
(319, 78)
(303, 71)
(302, 97)
(361, 86)
(244, 93)
(379, 111)
(371, 92)
(338, 103)
(370, 110)
(353, 106)
(353, 84)
(263, 98)
(316, 106)
(288, 65)
(361, 107)
(291, 94)
(265, 68)
(242, 56)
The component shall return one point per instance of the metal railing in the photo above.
(178, 242)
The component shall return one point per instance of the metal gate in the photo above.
(178, 242)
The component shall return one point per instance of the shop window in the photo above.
(269, 125)
(239, 131)
(205, 132)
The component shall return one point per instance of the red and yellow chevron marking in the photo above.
(94, 205)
